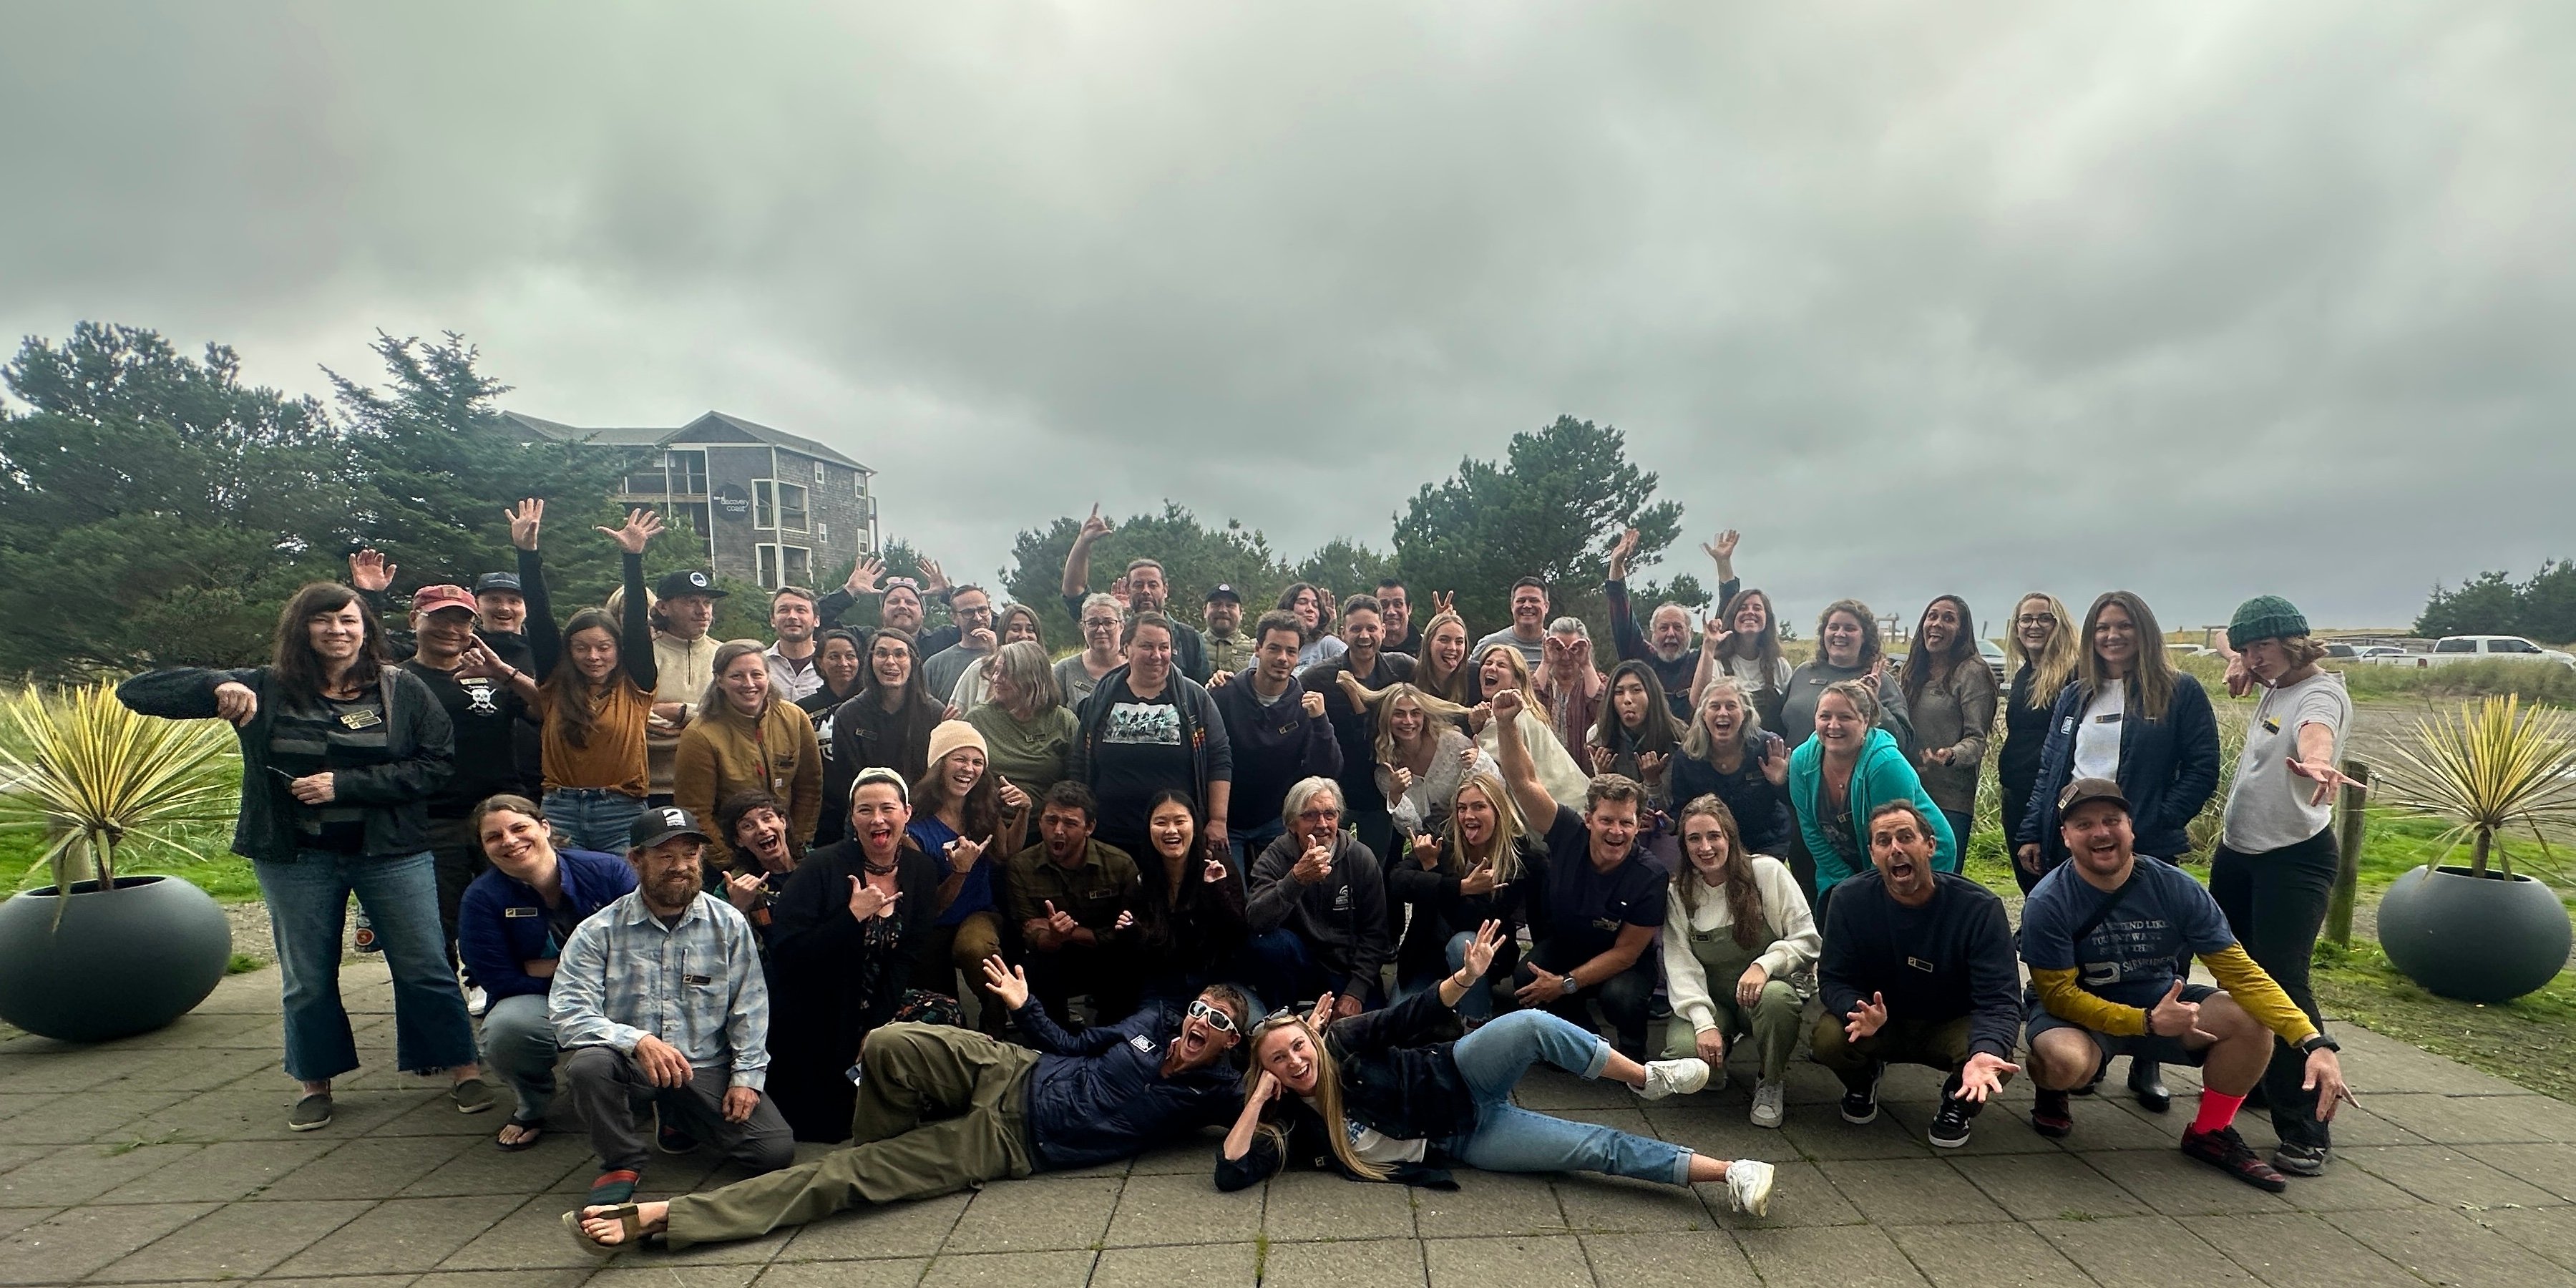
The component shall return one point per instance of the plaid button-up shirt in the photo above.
(696, 985)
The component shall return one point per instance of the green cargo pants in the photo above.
(939, 1109)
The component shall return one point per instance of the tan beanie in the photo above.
(953, 734)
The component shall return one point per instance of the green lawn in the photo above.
(225, 875)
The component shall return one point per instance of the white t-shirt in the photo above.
(2097, 735)
(1370, 1145)
(2267, 808)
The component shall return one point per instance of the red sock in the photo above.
(2217, 1109)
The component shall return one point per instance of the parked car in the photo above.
(2468, 648)
(2342, 652)
(1989, 652)
(2378, 652)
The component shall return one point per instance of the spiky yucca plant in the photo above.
(2488, 767)
(101, 778)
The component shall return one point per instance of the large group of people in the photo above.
(1331, 882)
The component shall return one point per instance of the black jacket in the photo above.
(2168, 769)
(420, 747)
(1399, 1076)
(2025, 735)
(1442, 911)
(828, 987)
(1185, 941)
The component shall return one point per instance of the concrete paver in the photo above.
(168, 1161)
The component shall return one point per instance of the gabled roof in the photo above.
(712, 426)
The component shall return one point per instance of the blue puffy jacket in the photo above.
(501, 922)
(2168, 768)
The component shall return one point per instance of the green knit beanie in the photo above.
(2264, 617)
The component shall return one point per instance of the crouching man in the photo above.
(2101, 933)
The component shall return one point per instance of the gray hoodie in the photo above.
(1342, 918)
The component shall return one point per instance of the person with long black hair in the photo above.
(1951, 696)
(341, 753)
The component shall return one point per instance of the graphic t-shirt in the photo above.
(1140, 753)
(485, 714)
(1373, 1146)
(2129, 957)
(1586, 907)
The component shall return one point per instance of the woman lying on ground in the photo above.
(1388, 1095)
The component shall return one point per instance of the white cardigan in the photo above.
(1564, 780)
(1686, 984)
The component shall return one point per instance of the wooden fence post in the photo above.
(2348, 829)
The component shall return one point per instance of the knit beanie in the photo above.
(953, 734)
(2264, 617)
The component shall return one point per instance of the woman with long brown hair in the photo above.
(888, 721)
(2043, 648)
(341, 753)
(971, 822)
(1735, 932)
(1743, 641)
(1385, 1097)
(597, 704)
(1443, 671)
(1950, 695)
(747, 738)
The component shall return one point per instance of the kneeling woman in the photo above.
(1391, 1098)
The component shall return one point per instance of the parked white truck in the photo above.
(2465, 648)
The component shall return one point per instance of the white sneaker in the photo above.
(477, 1002)
(1669, 1077)
(1769, 1102)
(1748, 1187)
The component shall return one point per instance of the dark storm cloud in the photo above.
(2197, 299)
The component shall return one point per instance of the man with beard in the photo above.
(1917, 969)
(793, 672)
(1229, 649)
(1148, 591)
(660, 999)
(1666, 647)
(972, 607)
(942, 1108)
(898, 607)
(1075, 901)
(1353, 728)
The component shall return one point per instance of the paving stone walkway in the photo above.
(166, 1159)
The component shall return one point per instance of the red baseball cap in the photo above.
(430, 599)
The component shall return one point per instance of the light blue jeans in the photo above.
(592, 818)
(1508, 1138)
(308, 904)
(1477, 1003)
(519, 1045)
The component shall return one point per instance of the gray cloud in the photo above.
(2198, 299)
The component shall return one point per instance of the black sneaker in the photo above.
(1949, 1128)
(2050, 1115)
(2228, 1152)
(2300, 1159)
(1861, 1106)
(670, 1139)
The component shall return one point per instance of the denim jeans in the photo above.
(1248, 846)
(1478, 1002)
(1508, 1138)
(519, 1045)
(592, 818)
(308, 903)
(1284, 972)
(1624, 997)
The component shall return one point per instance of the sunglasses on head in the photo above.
(905, 583)
(1215, 1017)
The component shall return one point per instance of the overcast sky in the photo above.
(2199, 299)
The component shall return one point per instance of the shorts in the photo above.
(2141, 1046)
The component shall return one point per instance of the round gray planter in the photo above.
(2478, 939)
(121, 961)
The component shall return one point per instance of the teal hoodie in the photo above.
(1880, 774)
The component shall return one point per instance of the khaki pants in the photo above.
(939, 1109)
(1943, 1046)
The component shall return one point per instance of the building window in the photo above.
(784, 566)
(777, 505)
(821, 475)
(688, 472)
(694, 513)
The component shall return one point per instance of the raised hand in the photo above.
(1620, 552)
(1322, 1014)
(933, 580)
(1443, 601)
(1481, 949)
(1983, 1076)
(641, 526)
(368, 570)
(235, 702)
(963, 854)
(525, 519)
(1506, 704)
(867, 901)
(1479, 880)
(1007, 983)
(1867, 1018)
(1094, 527)
(1721, 549)
(1713, 635)
(863, 577)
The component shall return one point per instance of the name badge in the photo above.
(697, 979)
(518, 912)
(1921, 965)
(1605, 923)
(2107, 717)
(361, 719)
(2271, 724)
(1142, 1043)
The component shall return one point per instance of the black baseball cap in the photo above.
(1223, 591)
(2090, 789)
(692, 582)
(662, 823)
(492, 581)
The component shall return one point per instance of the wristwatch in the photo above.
(1569, 983)
(2319, 1042)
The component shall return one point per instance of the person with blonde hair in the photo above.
(1387, 1096)
(1736, 930)
(2043, 648)
(1727, 753)
(1500, 669)
(746, 737)
(1420, 754)
(1842, 775)
(1471, 864)
(1100, 620)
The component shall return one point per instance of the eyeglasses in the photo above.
(1318, 815)
(1100, 623)
(1214, 1018)
(2037, 619)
